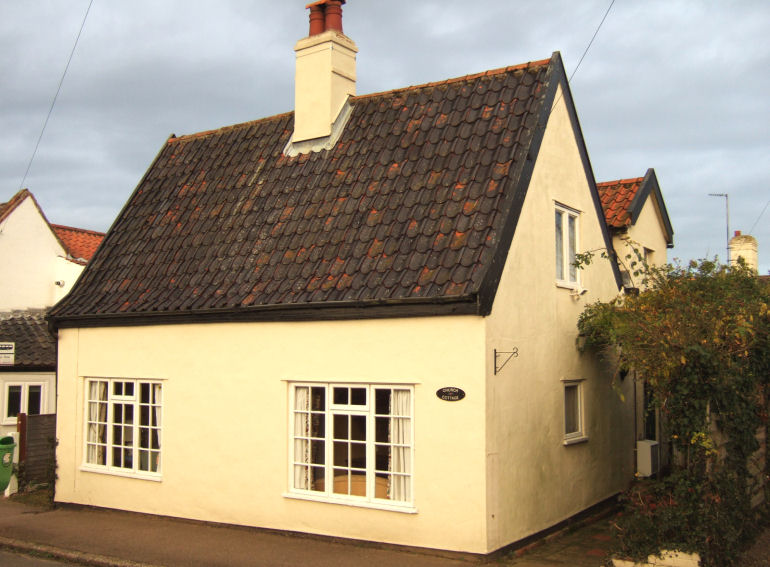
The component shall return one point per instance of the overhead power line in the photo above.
(751, 230)
(590, 43)
(585, 52)
(56, 96)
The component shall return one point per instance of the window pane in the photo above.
(317, 425)
(317, 478)
(571, 409)
(382, 429)
(341, 457)
(14, 401)
(317, 453)
(34, 400)
(358, 455)
(358, 427)
(341, 396)
(382, 401)
(144, 460)
(341, 427)
(341, 481)
(382, 457)
(559, 246)
(358, 396)
(572, 248)
(318, 399)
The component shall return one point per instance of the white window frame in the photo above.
(24, 405)
(567, 244)
(144, 453)
(578, 435)
(373, 475)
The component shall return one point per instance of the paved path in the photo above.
(110, 538)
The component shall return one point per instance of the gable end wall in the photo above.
(534, 480)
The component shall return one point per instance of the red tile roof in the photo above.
(414, 207)
(81, 244)
(617, 197)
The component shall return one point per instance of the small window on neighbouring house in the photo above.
(14, 401)
(566, 239)
(23, 398)
(573, 412)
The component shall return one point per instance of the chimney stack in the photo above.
(325, 72)
(744, 246)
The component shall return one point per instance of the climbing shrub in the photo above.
(699, 336)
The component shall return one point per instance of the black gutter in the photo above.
(327, 311)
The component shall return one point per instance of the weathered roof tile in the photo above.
(402, 207)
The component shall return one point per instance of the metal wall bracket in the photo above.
(506, 355)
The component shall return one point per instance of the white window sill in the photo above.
(576, 440)
(117, 472)
(574, 286)
(355, 503)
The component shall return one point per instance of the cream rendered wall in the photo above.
(67, 272)
(647, 232)
(29, 253)
(48, 379)
(225, 421)
(534, 480)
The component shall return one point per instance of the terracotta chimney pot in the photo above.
(333, 13)
(317, 18)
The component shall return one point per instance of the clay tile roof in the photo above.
(616, 197)
(35, 347)
(622, 202)
(414, 205)
(81, 244)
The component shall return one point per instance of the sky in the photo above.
(680, 86)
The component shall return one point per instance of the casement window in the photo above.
(573, 412)
(123, 426)
(23, 397)
(566, 230)
(352, 443)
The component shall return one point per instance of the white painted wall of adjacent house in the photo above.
(33, 260)
(535, 480)
(648, 232)
(47, 380)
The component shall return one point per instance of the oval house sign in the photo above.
(450, 394)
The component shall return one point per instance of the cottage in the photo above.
(641, 234)
(355, 319)
(638, 221)
(40, 263)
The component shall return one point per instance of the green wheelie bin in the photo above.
(6, 461)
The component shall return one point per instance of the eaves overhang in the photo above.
(326, 311)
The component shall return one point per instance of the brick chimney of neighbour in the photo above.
(325, 72)
(744, 246)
